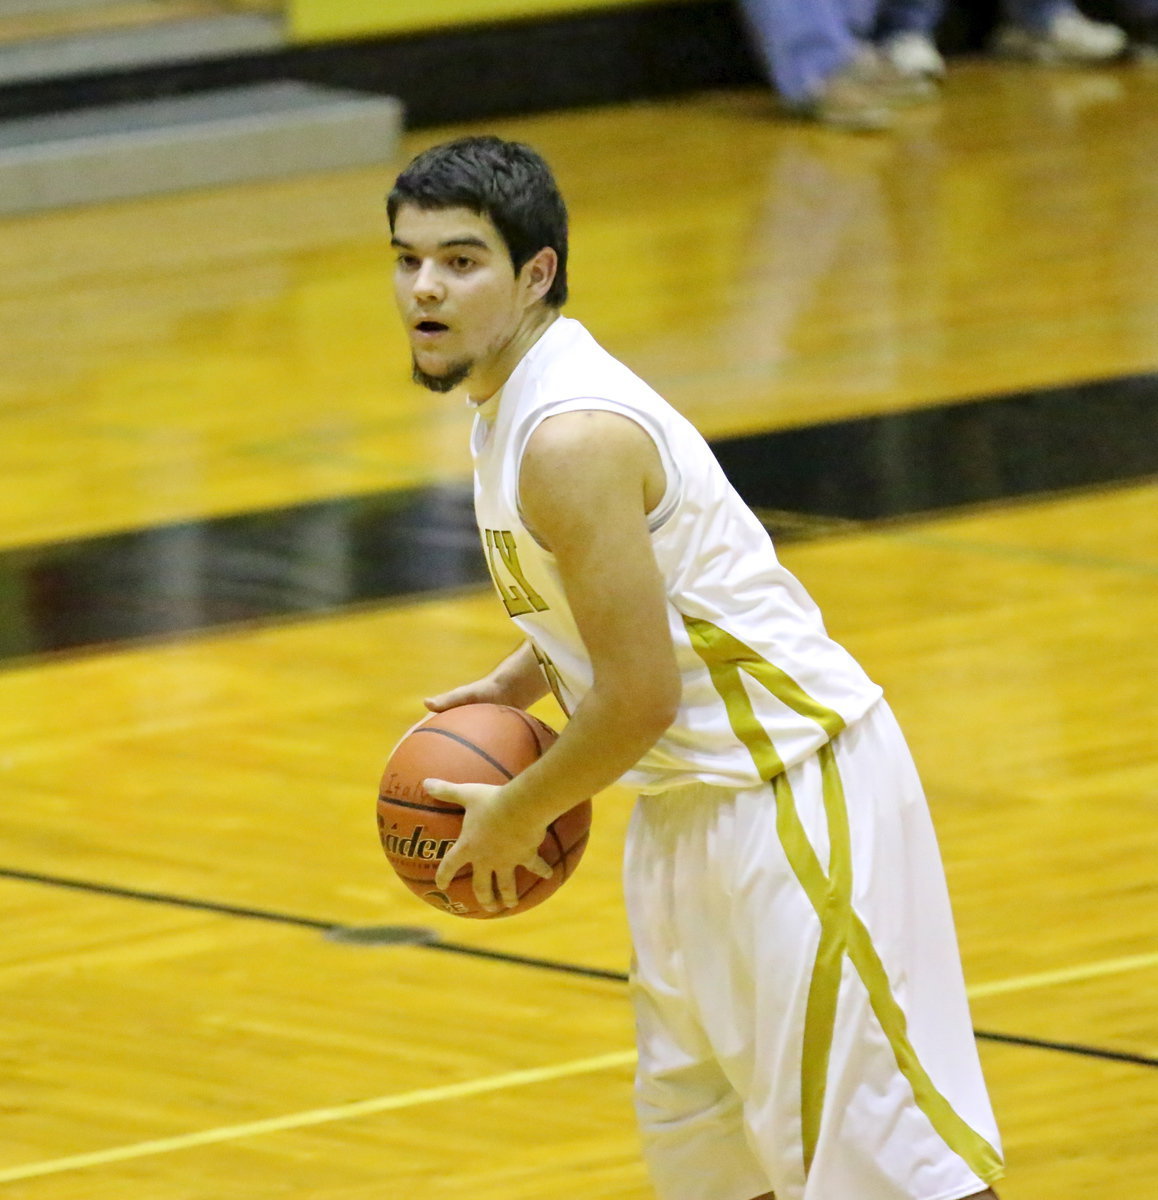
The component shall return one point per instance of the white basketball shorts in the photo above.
(800, 1006)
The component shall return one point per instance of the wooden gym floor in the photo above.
(234, 556)
(23, 20)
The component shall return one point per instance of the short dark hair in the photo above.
(507, 182)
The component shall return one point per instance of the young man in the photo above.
(801, 1013)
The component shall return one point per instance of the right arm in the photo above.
(518, 680)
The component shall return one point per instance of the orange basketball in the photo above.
(474, 743)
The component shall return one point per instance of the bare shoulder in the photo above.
(587, 432)
(587, 453)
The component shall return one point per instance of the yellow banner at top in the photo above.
(326, 20)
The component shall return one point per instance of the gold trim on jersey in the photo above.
(842, 932)
(552, 676)
(725, 657)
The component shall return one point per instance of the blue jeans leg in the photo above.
(803, 42)
(910, 16)
(1033, 14)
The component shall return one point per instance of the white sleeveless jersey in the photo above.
(751, 647)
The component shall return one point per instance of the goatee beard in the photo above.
(446, 382)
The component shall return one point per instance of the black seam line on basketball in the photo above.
(259, 914)
(562, 853)
(464, 873)
(534, 726)
(455, 737)
(1012, 1039)
(430, 808)
(564, 860)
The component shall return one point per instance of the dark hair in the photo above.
(505, 181)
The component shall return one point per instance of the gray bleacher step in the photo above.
(155, 44)
(124, 150)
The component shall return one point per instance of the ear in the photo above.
(539, 273)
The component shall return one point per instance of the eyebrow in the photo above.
(449, 244)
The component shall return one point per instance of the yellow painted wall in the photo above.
(322, 20)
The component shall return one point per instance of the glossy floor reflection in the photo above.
(321, 557)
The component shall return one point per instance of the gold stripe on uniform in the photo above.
(981, 1158)
(842, 932)
(718, 648)
(831, 895)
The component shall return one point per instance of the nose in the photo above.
(426, 284)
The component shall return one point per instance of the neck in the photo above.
(484, 388)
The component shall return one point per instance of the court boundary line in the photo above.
(427, 939)
(1016, 1039)
(419, 938)
(319, 1116)
(1075, 974)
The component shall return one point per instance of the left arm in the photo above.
(587, 482)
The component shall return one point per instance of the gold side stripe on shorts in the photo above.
(981, 1158)
(824, 893)
(831, 894)
(842, 933)
(834, 893)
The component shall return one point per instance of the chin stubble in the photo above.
(447, 381)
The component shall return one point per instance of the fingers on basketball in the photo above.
(472, 743)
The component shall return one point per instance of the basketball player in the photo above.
(802, 1024)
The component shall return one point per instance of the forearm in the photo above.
(520, 677)
(610, 731)
(518, 680)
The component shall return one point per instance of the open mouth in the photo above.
(430, 327)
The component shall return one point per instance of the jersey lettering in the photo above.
(551, 674)
(517, 595)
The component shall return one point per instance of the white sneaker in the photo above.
(914, 54)
(1070, 37)
(851, 98)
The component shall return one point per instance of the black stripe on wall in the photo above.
(322, 557)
